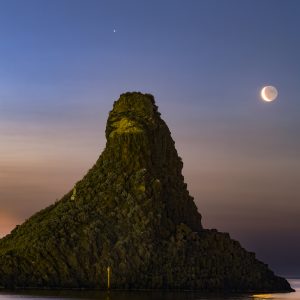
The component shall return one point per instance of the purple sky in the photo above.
(62, 66)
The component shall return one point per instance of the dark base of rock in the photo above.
(208, 261)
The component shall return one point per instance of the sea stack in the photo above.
(130, 214)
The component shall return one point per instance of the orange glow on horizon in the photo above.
(262, 296)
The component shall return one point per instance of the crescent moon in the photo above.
(269, 93)
(263, 95)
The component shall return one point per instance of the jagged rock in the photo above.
(132, 212)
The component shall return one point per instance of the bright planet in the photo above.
(269, 93)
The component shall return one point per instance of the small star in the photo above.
(115, 30)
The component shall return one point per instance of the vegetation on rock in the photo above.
(131, 212)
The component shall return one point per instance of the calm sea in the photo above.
(86, 295)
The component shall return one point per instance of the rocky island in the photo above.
(131, 212)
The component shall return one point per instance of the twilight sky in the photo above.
(62, 66)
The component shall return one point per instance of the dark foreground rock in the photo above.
(132, 212)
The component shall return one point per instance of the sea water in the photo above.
(118, 295)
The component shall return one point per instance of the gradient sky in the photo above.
(62, 66)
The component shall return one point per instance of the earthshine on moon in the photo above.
(269, 93)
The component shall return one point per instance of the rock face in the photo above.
(132, 212)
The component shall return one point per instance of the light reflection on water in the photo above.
(116, 295)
